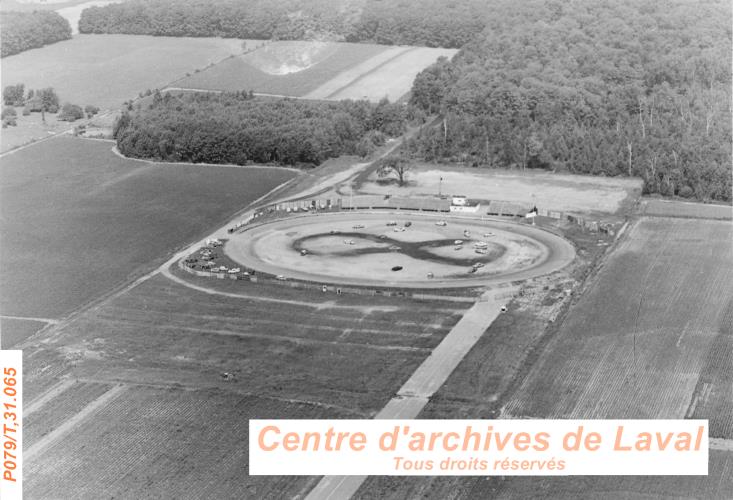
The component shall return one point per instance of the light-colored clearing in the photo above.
(283, 58)
(564, 192)
(394, 79)
(350, 75)
(73, 13)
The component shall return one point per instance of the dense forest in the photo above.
(239, 129)
(434, 23)
(21, 31)
(628, 87)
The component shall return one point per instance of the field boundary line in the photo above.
(244, 394)
(125, 285)
(60, 133)
(425, 381)
(117, 152)
(243, 52)
(259, 94)
(73, 421)
(721, 444)
(166, 272)
(295, 340)
(30, 318)
(57, 389)
(372, 70)
(550, 334)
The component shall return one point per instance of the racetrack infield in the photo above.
(361, 249)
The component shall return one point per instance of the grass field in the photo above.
(318, 70)
(141, 375)
(667, 208)
(394, 78)
(78, 219)
(250, 71)
(578, 193)
(107, 70)
(175, 443)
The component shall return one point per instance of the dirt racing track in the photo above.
(399, 250)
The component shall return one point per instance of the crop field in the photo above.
(12, 331)
(175, 443)
(652, 337)
(665, 208)
(77, 219)
(107, 70)
(319, 70)
(392, 79)
(653, 329)
(142, 374)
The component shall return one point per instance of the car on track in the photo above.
(441, 223)
(392, 223)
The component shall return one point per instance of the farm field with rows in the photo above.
(176, 443)
(144, 371)
(319, 70)
(648, 335)
(650, 338)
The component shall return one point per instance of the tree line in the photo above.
(433, 23)
(236, 128)
(630, 87)
(21, 31)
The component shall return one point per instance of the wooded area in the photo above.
(433, 23)
(21, 31)
(608, 88)
(630, 87)
(239, 129)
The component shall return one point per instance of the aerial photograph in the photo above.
(214, 212)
